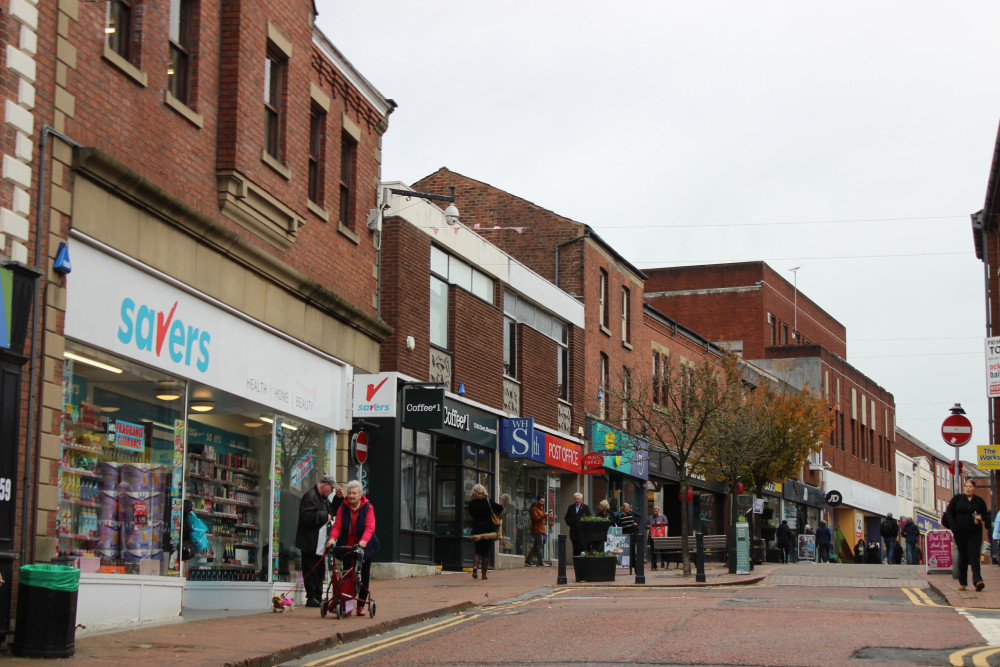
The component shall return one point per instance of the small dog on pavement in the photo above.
(281, 604)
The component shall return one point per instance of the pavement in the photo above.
(260, 639)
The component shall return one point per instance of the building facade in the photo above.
(210, 288)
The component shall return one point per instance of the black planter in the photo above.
(595, 568)
(589, 532)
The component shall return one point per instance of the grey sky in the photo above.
(852, 139)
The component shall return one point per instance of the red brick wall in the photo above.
(537, 361)
(742, 315)
(406, 275)
(475, 331)
(134, 125)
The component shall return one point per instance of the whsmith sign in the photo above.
(521, 440)
(428, 410)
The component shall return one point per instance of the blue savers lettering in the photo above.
(150, 329)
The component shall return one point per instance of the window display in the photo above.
(118, 428)
(227, 485)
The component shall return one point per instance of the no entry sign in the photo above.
(360, 447)
(956, 430)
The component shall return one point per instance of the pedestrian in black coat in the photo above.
(965, 517)
(572, 519)
(784, 539)
(315, 511)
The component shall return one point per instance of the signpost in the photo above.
(957, 431)
(593, 463)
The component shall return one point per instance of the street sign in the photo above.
(359, 443)
(956, 430)
(834, 498)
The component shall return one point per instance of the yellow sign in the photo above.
(989, 457)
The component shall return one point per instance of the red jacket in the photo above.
(351, 538)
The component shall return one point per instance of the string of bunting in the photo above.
(479, 228)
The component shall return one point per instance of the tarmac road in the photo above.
(870, 620)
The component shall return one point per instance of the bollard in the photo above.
(561, 550)
(640, 557)
(699, 557)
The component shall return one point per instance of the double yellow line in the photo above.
(389, 642)
(921, 599)
(980, 656)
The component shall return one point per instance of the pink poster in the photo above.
(938, 549)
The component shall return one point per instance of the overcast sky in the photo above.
(852, 139)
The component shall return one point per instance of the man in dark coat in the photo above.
(315, 511)
(889, 530)
(572, 519)
(785, 541)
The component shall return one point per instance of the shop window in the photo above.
(305, 452)
(415, 480)
(119, 425)
(227, 471)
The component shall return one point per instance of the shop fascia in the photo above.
(428, 409)
(521, 440)
(133, 311)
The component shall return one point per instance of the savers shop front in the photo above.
(178, 413)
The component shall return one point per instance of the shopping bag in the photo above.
(324, 533)
(658, 530)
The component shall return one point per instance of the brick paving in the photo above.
(269, 639)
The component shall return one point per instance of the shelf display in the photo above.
(112, 497)
(222, 484)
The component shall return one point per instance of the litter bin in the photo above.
(46, 611)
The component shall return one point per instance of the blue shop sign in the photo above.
(520, 440)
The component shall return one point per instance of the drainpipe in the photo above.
(33, 390)
(578, 238)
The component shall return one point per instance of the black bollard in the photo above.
(640, 557)
(699, 557)
(561, 573)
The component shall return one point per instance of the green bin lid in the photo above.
(54, 577)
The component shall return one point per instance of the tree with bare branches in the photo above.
(674, 414)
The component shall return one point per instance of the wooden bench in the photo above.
(669, 548)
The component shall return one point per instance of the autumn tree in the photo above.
(766, 434)
(674, 412)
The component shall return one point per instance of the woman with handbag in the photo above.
(485, 515)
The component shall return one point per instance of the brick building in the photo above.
(578, 261)
(502, 344)
(209, 167)
(750, 307)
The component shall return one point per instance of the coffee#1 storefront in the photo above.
(533, 464)
(426, 456)
(626, 463)
(177, 406)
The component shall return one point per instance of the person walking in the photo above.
(538, 519)
(628, 521)
(965, 517)
(911, 535)
(784, 539)
(572, 519)
(355, 526)
(824, 541)
(316, 509)
(482, 510)
(889, 530)
(656, 523)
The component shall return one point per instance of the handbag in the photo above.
(496, 520)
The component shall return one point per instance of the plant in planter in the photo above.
(593, 529)
(595, 566)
